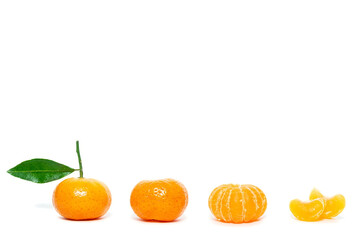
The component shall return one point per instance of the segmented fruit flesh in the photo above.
(333, 205)
(235, 203)
(309, 210)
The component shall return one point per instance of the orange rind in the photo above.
(159, 200)
(81, 198)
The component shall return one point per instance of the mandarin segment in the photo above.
(308, 210)
(215, 206)
(333, 205)
(81, 198)
(315, 194)
(251, 202)
(159, 200)
(225, 206)
(236, 206)
(237, 203)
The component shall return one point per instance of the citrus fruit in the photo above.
(235, 203)
(159, 200)
(307, 210)
(333, 205)
(74, 198)
(81, 198)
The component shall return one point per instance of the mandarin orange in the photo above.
(307, 210)
(81, 198)
(235, 203)
(333, 205)
(159, 200)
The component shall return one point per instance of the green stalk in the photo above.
(79, 157)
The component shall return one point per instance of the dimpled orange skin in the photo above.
(159, 200)
(233, 203)
(81, 198)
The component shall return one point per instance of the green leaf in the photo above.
(40, 170)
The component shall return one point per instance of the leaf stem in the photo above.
(79, 157)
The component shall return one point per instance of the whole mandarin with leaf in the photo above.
(159, 200)
(74, 198)
(81, 198)
(233, 203)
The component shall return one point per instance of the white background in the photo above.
(205, 92)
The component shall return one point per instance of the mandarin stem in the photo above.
(79, 157)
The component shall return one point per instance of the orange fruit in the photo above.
(159, 200)
(81, 198)
(235, 203)
(308, 210)
(333, 205)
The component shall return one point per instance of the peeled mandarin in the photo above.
(233, 203)
(333, 205)
(308, 210)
